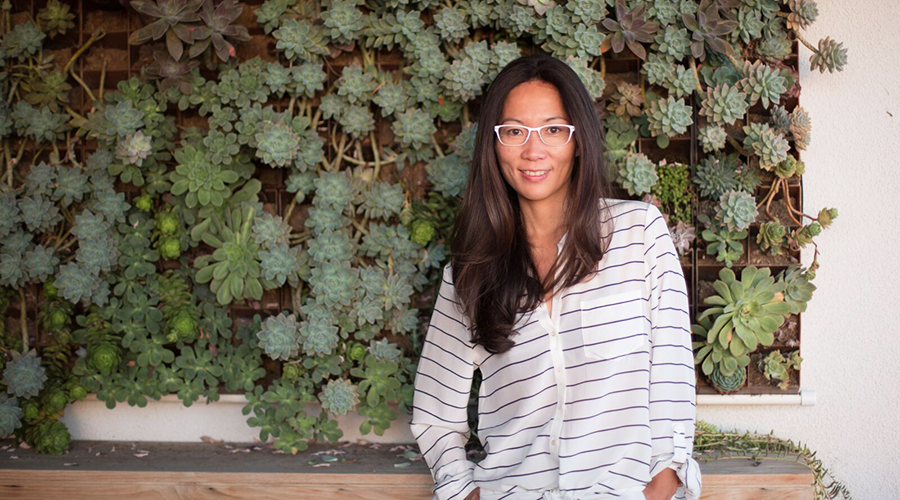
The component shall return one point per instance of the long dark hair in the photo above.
(492, 266)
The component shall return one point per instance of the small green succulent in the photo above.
(771, 146)
(233, 270)
(280, 336)
(205, 182)
(798, 289)
(339, 396)
(771, 237)
(727, 384)
(300, 39)
(724, 104)
(712, 138)
(56, 18)
(669, 116)
(24, 376)
(725, 244)
(637, 173)
(10, 415)
(736, 209)
(278, 144)
(830, 55)
(775, 366)
(318, 336)
(761, 83)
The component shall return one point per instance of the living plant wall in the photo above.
(203, 197)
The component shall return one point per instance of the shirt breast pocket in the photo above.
(614, 325)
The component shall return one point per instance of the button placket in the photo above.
(551, 323)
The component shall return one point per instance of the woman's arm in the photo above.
(442, 386)
(672, 376)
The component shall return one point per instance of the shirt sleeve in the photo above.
(442, 386)
(672, 378)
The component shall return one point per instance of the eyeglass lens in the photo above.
(552, 135)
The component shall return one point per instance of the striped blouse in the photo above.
(592, 401)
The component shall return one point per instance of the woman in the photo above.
(572, 305)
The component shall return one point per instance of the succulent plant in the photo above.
(318, 336)
(56, 18)
(334, 190)
(723, 243)
(736, 209)
(24, 376)
(280, 264)
(71, 185)
(233, 269)
(712, 138)
(637, 173)
(769, 145)
(52, 437)
(280, 336)
(202, 180)
(23, 41)
(173, 21)
(448, 174)
(382, 349)
(218, 30)
(771, 237)
(331, 244)
(798, 289)
(724, 104)
(278, 144)
(182, 324)
(669, 116)
(339, 396)
(775, 366)
(706, 28)
(47, 88)
(803, 13)
(40, 262)
(831, 55)
(309, 78)
(134, 148)
(761, 83)
(10, 415)
(747, 312)
(39, 214)
(826, 216)
(300, 39)
(727, 384)
(683, 235)
(674, 41)
(269, 230)
(628, 28)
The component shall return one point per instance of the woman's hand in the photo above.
(663, 485)
(476, 493)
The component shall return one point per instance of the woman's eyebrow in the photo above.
(520, 121)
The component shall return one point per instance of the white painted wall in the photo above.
(850, 345)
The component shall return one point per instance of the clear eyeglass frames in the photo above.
(554, 134)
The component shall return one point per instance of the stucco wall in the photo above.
(849, 333)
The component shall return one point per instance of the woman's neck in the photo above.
(544, 221)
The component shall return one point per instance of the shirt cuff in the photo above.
(455, 481)
(686, 468)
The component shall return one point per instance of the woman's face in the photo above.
(535, 104)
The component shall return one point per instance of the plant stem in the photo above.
(376, 154)
(804, 42)
(738, 146)
(437, 147)
(102, 79)
(97, 35)
(23, 319)
(697, 76)
(83, 85)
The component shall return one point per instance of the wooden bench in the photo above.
(91, 470)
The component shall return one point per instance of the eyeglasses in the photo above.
(555, 134)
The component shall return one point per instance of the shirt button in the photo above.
(553, 333)
(553, 442)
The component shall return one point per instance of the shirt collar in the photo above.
(562, 241)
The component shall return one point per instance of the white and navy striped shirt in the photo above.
(591, 401)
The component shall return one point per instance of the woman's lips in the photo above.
(534, 178)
